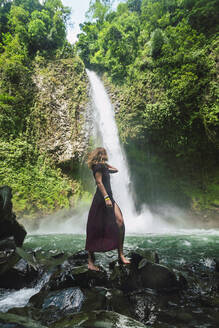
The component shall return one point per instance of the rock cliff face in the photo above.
(61, 109)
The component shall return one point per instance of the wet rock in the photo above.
(20, 275)
(9, 320)
(181, 279)
(65, 300)
(14, 279)
(139, 254)
(177, 316)
(57, 304)
(144, 272)
(68, 276)
(94, 299)
(216, 265)
(7, 244)
(58, 256)
(210, 301)
(100, 298)
(125, 277)
(118, 302)
(78, 258)
(44, 317)
(48, 307)
(106, 319)
(8, 255)
(158, 277)
(31, 272)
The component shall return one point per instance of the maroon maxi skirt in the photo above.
(102, 229)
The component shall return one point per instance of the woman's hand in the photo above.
(112, 169)
(108, 203)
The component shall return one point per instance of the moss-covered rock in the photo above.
(60, 109)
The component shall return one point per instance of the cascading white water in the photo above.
(106, 125)
(20, 298)
(107, 132)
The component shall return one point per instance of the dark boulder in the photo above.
(118, 302)
(7, 244)
(140, 254)
(16, 279)
(100, 298)
(9, 227)
(8, 255)
(65, 300)
(58, 303)
(144, 272)
(125, 277)
(73, 276)
(15, 271)
(216, 264)
(158, 277)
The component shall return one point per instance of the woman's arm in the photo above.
(112, 169)
(98, 178)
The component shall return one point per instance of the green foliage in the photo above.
(157, 41)
(37, 184)
(203, 15)
(14, 83)
(87, 42)
(98, 10)
(116, 47)
(46, 28)
(162, 56)
(32, 31)
(4, 11)
(134, 5)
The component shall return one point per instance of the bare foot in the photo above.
(124, 260)
(93, 267)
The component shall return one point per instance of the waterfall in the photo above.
(108, 134)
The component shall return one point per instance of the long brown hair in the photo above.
(97, 156)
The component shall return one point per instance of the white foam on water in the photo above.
(187, 243)
(20, 298)
(209, 263)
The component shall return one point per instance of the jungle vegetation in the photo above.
(31, 31)
(161, 59)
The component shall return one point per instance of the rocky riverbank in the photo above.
(142, 294)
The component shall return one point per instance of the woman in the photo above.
(105, 226)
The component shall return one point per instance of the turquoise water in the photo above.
(192, 252)
(54, 243)
(174, 249)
